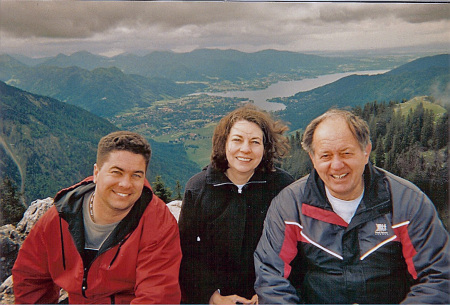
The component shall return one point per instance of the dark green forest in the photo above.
(409, 143)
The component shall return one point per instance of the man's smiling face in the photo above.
(119, 183)
(339, 159)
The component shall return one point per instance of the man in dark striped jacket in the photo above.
(350, 232)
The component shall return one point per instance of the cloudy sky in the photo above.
(109, 28)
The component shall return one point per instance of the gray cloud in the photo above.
(110, 27)
(410, 13)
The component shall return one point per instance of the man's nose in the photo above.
(125, 181)
(337, 163)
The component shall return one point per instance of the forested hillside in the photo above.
(424, 76)
(409, 139)
(46, 145)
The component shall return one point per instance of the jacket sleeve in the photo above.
(271, 265)
(425, 244)
(158, 265)
(198, 282)
(31, 277)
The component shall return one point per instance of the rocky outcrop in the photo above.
(12, 237)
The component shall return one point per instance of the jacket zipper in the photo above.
(84, 285)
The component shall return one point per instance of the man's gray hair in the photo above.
(357, 125)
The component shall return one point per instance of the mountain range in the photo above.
(213, 64)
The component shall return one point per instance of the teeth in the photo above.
(339, 176)
(243, 159)
(122, 194)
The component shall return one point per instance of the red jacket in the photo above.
(138, 263)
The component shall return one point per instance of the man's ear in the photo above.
(95, 174)
(367, 151)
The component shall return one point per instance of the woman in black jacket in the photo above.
(225, 205)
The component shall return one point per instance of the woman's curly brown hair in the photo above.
(276, 145)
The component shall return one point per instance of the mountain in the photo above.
(10, 67)
(51, 144)
(213, 64)
(46, 145)
(102, 91)
(425, 76)
(424, 63)
(81, 59)
(109, 86)
(29, 61)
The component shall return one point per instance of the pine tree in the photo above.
(161, 190)
(11, 209)
(178, 191)
(379, 153)
(440, 134)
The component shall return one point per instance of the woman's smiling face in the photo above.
(244, 149)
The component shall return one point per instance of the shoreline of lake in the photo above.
(287, 88)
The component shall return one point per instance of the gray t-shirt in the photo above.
(95, 234)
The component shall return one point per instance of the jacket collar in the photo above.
(69, 204)
(214, 176)
(376, 200)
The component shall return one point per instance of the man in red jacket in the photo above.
(107, 239)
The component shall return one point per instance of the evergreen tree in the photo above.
(161, 190)
(178, 191)
(417, 119)
(298, 139)
(426, 134)
(379, 153)
(440, 134)
(11, 210)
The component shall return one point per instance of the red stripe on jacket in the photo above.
(292, 235)
(407, 248)
(323, 215)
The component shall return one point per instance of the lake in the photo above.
(288, 88)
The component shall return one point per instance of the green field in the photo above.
(427, 104)
(198, 148)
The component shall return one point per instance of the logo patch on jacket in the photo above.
(381, 229)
